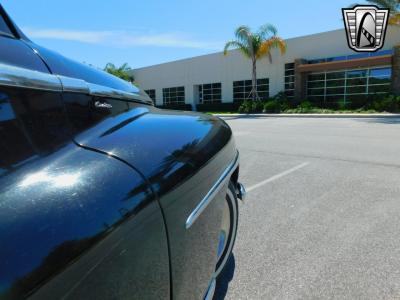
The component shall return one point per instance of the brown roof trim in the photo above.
(347, 64)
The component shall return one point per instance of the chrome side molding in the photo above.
(212, 192)
(211, 290)
(12, 76)
(104, 91)
(73, 85)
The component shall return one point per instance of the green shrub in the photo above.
(359, 101)
(342, 105)
(279, 103)
(257, 106)
(272, 106)
(245, 107)
(305, 105)
(283, 101)
(281, 97)
(248, 107)
(389, 103)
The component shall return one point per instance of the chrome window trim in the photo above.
(104, 91)
(13, 76)
(73, 85)
(212, 192)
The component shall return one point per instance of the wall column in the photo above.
(300, 81)
(396, 70)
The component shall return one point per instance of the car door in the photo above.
(74, 223)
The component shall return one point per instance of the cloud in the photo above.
(69, 35)
(123, 38)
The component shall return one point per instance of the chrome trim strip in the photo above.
(104, 91)
(211, 290)
(23, 78)
(73, 85)
(212, 192)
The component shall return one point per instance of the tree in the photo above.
(393, 5)
(122, 72)
(255, 45)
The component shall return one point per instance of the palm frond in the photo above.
(110, 66)
(237, 45)
(242, 33)
(267, 30)
(121, 72)
(125, 67)
(268, 45)
(393, 5)
(244, 36)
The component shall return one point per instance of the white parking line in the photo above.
(277, 176)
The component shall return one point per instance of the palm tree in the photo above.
(393, 5)
(121, 72)
(255, 45)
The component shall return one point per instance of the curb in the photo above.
(383, 115)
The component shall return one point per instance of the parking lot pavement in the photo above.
(322, 217)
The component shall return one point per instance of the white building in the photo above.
(320, 67)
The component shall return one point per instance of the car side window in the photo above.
(14, 144)
(4, 29)
(32, 122)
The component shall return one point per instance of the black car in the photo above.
(102, 195)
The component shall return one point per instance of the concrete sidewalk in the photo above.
(344, 115)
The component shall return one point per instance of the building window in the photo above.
(242, 89)
(152, 94)
(210, 93)
(350, 57)
(174, 95)
(289, 80)
(347, 86)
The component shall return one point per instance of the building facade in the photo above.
(320, 68)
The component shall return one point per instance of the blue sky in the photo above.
(149, 32)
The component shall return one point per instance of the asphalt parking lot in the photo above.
(322, 217)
